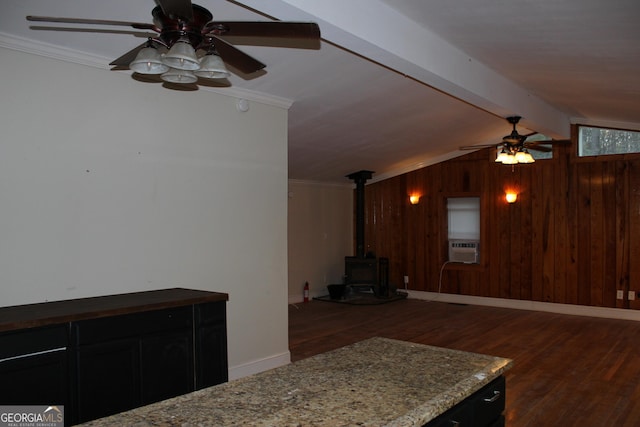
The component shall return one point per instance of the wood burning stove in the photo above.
(365, 270)
(360, 271)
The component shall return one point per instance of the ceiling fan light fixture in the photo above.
(524, 157)
(509, 159)
(148, 61)
(212, 67)
(182, 56)
(502, 156)
(179, 76)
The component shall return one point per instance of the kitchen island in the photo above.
(376, 382)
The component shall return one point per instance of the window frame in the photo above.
(601, 157)
(482, 264)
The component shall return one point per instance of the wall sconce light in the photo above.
(414, 199)
(511, 196)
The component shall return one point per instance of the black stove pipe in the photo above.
(360, 178)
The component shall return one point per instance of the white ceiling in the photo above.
(399, 84)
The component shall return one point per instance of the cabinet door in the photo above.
(127, 361)
(167, 366)
(38, 379)
(211, 344)
(33, 366)
(108, 379)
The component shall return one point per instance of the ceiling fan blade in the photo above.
(547, 142)
(276, 29)
(237, 58)
(126, 59)
(310, 44)
(136, 25)
(542, 148)
(477, 147)
(92, 30)
(177, 9)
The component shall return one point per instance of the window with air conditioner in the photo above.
(464, 229)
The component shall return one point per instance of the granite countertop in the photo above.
(376, 382)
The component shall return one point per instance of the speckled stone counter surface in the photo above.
(376, 382)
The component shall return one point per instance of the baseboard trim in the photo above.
(258, 366)
(576, 310)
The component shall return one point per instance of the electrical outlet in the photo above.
(632, 295)
(620, 294)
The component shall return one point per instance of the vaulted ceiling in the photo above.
(400, 84)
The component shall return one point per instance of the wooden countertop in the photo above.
(376, 382)
(55, 312)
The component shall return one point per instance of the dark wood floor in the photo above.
(568, 370)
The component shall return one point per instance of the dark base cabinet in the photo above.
(211, 344)
(33, 366)
(135, 359)
(158, 345)
(107, 380)
(482, 409)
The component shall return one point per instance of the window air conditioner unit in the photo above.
(467, 251)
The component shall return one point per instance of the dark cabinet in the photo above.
(482, 409)
(135, 359)
(33, 366)
(211, 344)
(122, 352)
(167, 366)
(107, 380)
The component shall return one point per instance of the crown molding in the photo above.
(52, 51)
(82, 58)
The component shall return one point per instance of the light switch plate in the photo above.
(632, 295)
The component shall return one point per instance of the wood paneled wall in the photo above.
(572, 237)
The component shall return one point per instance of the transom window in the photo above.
(597, 141)
(537, 154)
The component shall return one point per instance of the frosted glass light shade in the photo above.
(524, 157)
(509, 159)
(212, 67)
(182, 56)
(502, 156)
(179, 76)
(148, 61)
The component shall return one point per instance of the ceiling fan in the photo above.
(515, 147)
(189, 43)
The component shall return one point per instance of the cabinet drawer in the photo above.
(460, 415)
(131, 325)
(481, 409)
(27, 341)
(488, 403)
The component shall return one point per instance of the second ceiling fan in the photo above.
(515, 147)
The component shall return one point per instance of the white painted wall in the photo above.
(109, 185)
(320, 236)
